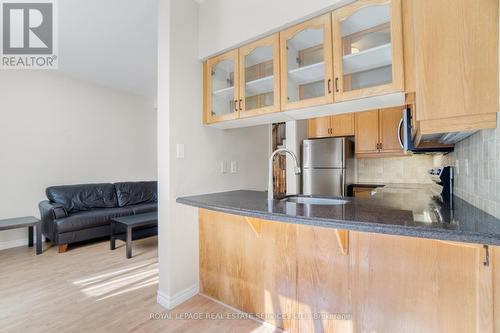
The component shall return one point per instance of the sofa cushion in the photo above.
(76, 198)
(133, 193)
(90, 219)
(145, 208)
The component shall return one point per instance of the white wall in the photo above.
(179, 122)
(56, 130)
(228, 23)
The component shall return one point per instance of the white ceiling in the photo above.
(110, 42)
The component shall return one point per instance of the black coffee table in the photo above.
(129, 223)
(23, 222)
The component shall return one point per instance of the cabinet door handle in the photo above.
(336, 84)
(241, 100)
(329, 86)
(235, 105)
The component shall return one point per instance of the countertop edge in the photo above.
(373, 227)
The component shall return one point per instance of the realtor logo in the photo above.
(28, 34)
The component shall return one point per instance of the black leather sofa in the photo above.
(75, 213)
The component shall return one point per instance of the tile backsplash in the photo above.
(411, 169)
(477, 169)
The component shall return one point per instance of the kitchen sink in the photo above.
(315, 201)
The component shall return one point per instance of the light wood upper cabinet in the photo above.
(377, 133)
(343, 125)
(456, 61)
(319, 127)
(366, 131)
(389, 127)
(368, 49)
(306, 64)
(259, 77)
(331, 126)
(221, 84)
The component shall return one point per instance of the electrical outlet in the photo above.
(234, 167)
(180, 150)
(223, 167)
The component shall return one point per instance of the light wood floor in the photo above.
(93, 289)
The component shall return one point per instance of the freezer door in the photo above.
(324, 182)
(324, 153)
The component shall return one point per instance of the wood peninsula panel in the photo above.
(322, 271)
(385, 283)
(253, 272)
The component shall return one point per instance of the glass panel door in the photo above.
(364, 44)
(367, 50)
(260, 77)
(223, 95)
(307, 64)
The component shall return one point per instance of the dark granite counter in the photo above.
(412, 211)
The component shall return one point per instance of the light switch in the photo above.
(457, 167)
(180, 150)
(223, 167)
(466, 167)
(234, 167)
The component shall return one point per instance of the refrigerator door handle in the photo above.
(342, 183)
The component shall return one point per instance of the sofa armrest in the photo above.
(49, 212)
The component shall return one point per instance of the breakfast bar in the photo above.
(401, 260)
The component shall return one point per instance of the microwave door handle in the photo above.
(400, 127)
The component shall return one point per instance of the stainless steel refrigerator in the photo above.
(328, 166)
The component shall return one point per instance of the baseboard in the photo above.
(13, 243)
(170, 302)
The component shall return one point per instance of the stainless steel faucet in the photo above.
(270, 187)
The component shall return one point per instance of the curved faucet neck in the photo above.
(270, 185)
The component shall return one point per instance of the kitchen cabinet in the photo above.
(377, 133)
(306, 64)
(221, 95)
(368, 49)
(456, 63)
(260, 77)
(319, 127)
(243, 82)
(331, 126)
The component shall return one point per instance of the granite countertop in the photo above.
(396, 209)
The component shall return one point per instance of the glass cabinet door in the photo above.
(259, 77)
(368, 49)
(306, 62)
(222, 92)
